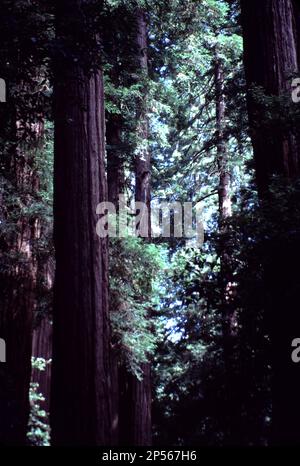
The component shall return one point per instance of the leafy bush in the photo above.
(135, 267)
(38, 425)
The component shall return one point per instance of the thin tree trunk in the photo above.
(42, 333)
(135, 395)
(115, 177)
(81, 381)
(232, 423)
(115, 166)
(143, 159)
(141, 390)
(222, 159)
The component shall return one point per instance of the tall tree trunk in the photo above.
(81, 383)
(141, 390)
(18, 278)
(143, 161)
(135, 395)
(270, 58)
(42, 333)
(231, 404)
(116, 181)
(16, 322)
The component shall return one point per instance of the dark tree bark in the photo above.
(21, 127)
(115, 165)
(18, 278)
(42, 333)
(142, 400)
(116, 186)
(270, 60)
(80, 403)
(135, 407)
(16, 321)
(296, 6)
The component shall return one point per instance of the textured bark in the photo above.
(296, 6)
(18, 281)
(270, 60)
(141, 390)
(42, 333)
(135, 408)
(142, 428)
(270, 57)
(80, 400)
(115, 178)
(16, 329)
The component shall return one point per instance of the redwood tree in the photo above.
(80, 405)
(18, 287)
(21, 138)
(271, 59)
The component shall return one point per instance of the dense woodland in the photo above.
(143, 339)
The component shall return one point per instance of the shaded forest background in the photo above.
(133, 340)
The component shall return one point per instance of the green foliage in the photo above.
(190, 376)
(276, 113)
(183, 110)
(189, 361)
(38, 425)
(135, 268)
